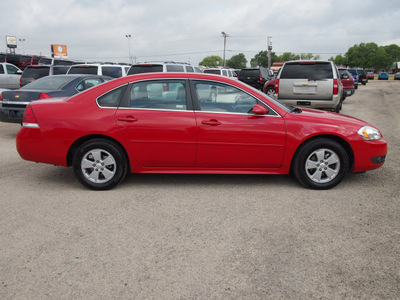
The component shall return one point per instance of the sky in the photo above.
(189, 30)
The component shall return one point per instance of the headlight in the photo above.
(369, 133)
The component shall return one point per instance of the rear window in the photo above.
(57, 70)
(114, 72)
(45, 61)
(36, 73)
(216, 71)
(313, 71)
(137, 69)
(83, 70)
(175, 68)
(354, 72)
(25, 58)
(249, 73)
(48, 83)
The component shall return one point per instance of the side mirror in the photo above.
(259, 109)
(19, 72)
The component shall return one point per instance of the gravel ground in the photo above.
(204, 236)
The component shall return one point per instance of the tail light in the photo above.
(277, 86)
(20, 81)
(44, 96)
(1, 97)
(261, 79)
(335, 86)
(29, 119)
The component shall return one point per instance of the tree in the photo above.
(339, 60)
(286, 56)
(261, 59)
(394, 51)
(370, 55)
(237, 61)
(211, 61)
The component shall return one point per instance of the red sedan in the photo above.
(193, 123)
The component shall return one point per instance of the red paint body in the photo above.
(189, 141)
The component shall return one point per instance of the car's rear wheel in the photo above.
(99, 164)
(270, 91)
(321, 164)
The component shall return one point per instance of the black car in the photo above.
(13, 103)
(362, 76)
(31, 73)
(256, 77)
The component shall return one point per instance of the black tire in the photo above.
(338, 108)
(320, 164)
(100, 164)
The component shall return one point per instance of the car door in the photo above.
(230, 135)
(156, 123)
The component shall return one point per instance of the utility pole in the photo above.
(225, 36)
(128, 36)
(269, 51)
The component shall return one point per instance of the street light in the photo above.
(22, 42)
(128, 36)
(225, 36)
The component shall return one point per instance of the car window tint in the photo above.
(83, 70)
(305, 70)
(60, 70)
(111, 99)
(215, 97)
(160, 94)
(214, 71)
(189, 69)
(137, 69)
(112, 71)
(1, 69)
(88, 83)
(175, 68)
(45, 61)
(36, 72)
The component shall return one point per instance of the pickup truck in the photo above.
(9, 76)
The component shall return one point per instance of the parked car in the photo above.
(397, 76)
(370, 75)
(10, 76)
(269, 87)
(13, 103)
(28, 60)
(383, 76)
(362, 76)
(310, 83)
(354, 73)
(114, 71)
(348, 83)
(10, 58)
(222, 72)
(168, 66)
(131, 124)
(256, 77)
(31, 73)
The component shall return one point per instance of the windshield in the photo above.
(48, 83)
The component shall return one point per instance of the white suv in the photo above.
(114, 71)
(312, 83)
(221, 71)
(168, 66)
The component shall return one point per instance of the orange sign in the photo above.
(59, 51)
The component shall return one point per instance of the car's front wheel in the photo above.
(100, 164)
(321, 164)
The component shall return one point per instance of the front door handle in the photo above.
(129, 119)
(211, 122)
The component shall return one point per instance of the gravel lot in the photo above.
(204, 236)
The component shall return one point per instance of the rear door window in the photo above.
(83, 70)
(36, 73)
(114, 72)
(175, 68)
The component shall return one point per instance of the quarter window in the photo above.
(216, 97)
(111, 99)
(160, 94)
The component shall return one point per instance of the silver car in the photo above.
(314, 84)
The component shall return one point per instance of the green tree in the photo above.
(286, 56)
(237, 61)
(370, 55)
(339, 60)
(261, 59)
(307, 56)
(380, 59)
(394, 51)
(211, 61)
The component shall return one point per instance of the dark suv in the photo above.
(362, 76)
(256, 77)
(31, 73)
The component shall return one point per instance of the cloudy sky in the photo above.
(189, 30)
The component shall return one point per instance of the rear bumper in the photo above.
(321, 104)
(11, 114)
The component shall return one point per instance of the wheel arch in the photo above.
(335, 138)
(84, 139)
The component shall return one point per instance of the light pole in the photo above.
(269, 51)
(22, 42)
(128, 36)
(225, 36)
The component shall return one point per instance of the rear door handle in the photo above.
(211, 122)
(129, 119)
